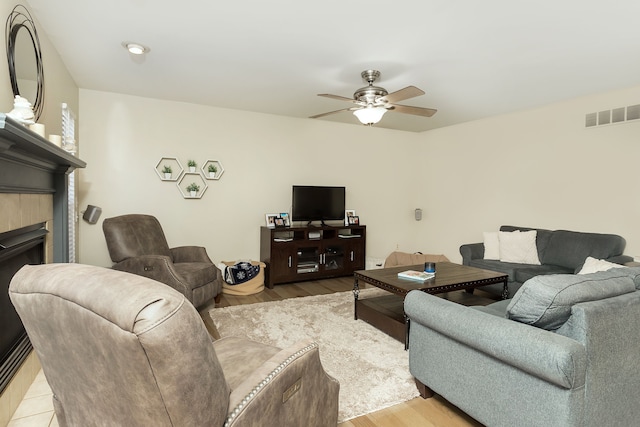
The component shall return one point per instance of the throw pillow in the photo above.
(592, 265)
(545, 301)
(491, 245)
(518, 247)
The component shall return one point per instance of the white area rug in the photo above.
(372, 367)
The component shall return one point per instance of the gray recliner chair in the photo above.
(122, 350)
(137, 245)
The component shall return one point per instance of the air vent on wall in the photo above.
(617, 115)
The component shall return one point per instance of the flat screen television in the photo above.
(317, 203)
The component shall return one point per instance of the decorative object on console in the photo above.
(354, 220)
(285, 218)
(347, 214)
(271, 220)
(23, 46)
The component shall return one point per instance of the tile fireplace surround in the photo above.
(33, 190)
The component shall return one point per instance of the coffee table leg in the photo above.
(505, 290)
(356, 293)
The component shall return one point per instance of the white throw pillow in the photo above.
(592, 265)
(491, 245)
(519, 247)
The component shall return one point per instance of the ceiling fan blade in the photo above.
(417, 111)
(402, 94)
(333, 112)
(338, 97)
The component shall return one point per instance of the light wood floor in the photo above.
(434, 412)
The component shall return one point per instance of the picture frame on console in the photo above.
(354, 220)
(285, 217)
(348, 213)
(271, 220)
(279, 222)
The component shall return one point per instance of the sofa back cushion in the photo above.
(571, 248)
(546, 301)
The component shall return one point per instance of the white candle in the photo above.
(56, 139)
(38, 128)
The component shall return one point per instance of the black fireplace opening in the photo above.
(17, 248)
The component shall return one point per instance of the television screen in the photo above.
(314, 203)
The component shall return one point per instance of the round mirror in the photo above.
(25, 59)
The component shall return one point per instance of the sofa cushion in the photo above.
(527, 272)
(518, 247)
(592, 265)
(570, 248)
(546, 301)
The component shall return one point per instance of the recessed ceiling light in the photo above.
(135, 48)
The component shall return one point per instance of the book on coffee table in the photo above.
(416, 275)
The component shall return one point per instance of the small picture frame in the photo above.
(354, 220)
(279, 222)
(271, 220)
(285, 217)
(348, 214)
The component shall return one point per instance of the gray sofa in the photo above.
(568, 356)
(559, 252)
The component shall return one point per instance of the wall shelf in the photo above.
(218, 166)
(188, 178)
(176, 168)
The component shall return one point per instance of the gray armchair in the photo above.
(137, 245)
(146, 359)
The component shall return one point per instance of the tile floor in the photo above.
(36, 409)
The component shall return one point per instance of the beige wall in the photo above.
(537, 168)
(124, 137)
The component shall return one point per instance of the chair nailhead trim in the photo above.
(236, 411)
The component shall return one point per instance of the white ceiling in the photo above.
(472, 58)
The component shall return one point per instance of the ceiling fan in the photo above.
(373, 101)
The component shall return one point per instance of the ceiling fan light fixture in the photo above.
(370, 115)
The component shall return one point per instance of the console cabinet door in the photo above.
(282, 265)
(355, 255)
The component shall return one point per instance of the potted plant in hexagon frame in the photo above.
(166, 170)
(192, 165)
(212, 170)
(193, 189)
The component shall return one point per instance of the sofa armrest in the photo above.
(471, 251)
(189, 254)
(290, 389)
(156, 267)
(544, 354)
(620, 259)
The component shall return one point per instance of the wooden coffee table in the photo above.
(387, 312)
